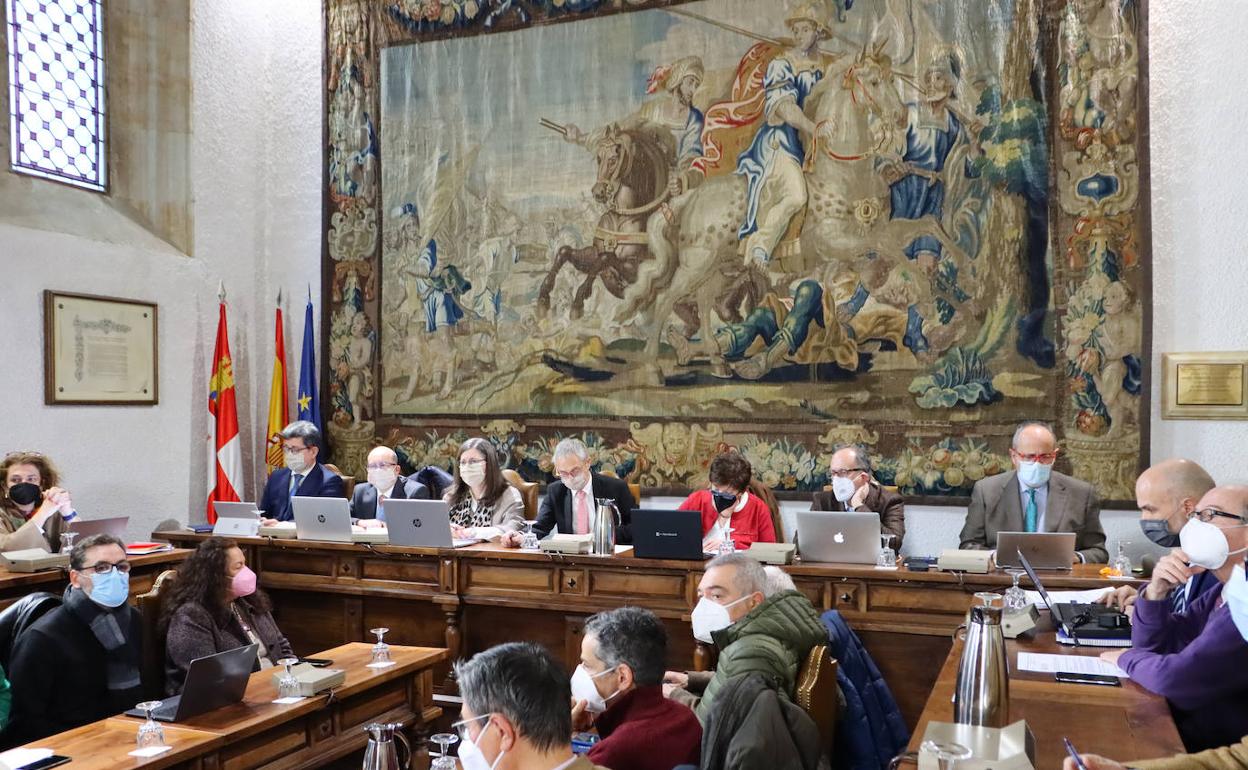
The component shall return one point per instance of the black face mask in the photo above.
(723, 501)
(25, 493)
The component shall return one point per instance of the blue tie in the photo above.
(381, 509)
(295, 480)
(1031, 513)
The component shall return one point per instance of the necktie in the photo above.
(381, 512)
(295, 480)
(1178, 599)
(582, 512)
(1031, 514)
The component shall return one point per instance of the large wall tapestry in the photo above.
(674, 227)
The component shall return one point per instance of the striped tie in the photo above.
(1178, 599)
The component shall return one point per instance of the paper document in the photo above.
(1046, 663)
(1067, 597)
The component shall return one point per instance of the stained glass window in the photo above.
(56, 90)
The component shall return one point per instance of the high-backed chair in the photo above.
(348, 482)
(817, 694)
(527, 489)
(21, 615)
(765, 493)
(152, 606)
(633, 487)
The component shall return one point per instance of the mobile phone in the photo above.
(46, 762)
(318, 662)
(1070, 749)
(1102, 679)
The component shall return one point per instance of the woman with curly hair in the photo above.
(215, 607)
(33, 509)
(483, 505)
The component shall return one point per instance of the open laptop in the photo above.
(115, 526)
(226, 510)
(329, 519)
(1044, 550)
(236, 519)
(212, 681)
(425, 523)
(1081, 620)
(662, 533)
(845, 537)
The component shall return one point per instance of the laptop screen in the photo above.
(1035, 579)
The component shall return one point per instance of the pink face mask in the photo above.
(244, 583)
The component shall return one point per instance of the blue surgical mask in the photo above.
(723, 501)
(1034, 474)
(1159, 532)
(110, 589)
(1235, 594)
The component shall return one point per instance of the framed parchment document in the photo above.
(98, 350)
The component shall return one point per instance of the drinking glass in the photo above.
(887, 556)
(947, 753)
(151, 734)
(444, 761)
(529, 543)
(381, 650)
(1015, 597)
(987, 599)
(1122, 562)
(67, 540)
(287, 684)
(726, 546)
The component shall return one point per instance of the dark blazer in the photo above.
(1072, 506)
(319, 482)
(556, 507)
(890, 505)
(364, 498)
(60, 680)
(193, 633)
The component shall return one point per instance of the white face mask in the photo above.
(296, 462)
(473, 475)
(843, 489)
(383, 479)
(470, 756)
(578, 483)
(583, 688)
(710, 616)
(1034, 474)
(1205, 544)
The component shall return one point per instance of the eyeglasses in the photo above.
(461, 726)
(381, 466)
(1046, 458)
(844, 473)
(104, 567)
(565, 475)
(290, 450)
(1208, 514)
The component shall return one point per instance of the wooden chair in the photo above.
(527, 489)
(765, 493)
(818, 695)
(633, 487)
(152, 607)
(348, 482)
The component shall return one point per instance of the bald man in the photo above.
(1035, 498)
(1197, 660)
(384, 483)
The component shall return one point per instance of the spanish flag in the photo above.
(225, 463)
(279, 408)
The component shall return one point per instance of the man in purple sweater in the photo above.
(1196, 659)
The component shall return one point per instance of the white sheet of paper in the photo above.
(1047, 663)
(387, 664)
(1065, 597)
(289, 700)
(20, 757)
(150, 751)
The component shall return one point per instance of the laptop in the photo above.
(1044, 550)
(329, 519)
(85, 528)
(1082, 620)
(212, 681)
(844, 537)
(422, 523)
(662, 533)
(236, 519)
(226, 510)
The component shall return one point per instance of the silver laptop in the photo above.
(1044, 550)
(115, 526)
(236, 519)
(226, 510)
(322, 518)
(425, 523)
(846, 537)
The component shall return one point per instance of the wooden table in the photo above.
(144, 569)
(1124, 723)
(258, 733)
(468, 599)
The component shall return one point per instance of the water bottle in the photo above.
(982, 694)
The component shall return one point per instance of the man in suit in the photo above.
(303, 476)
(570, 502)
(854, 488)
(1035, 498)
(384, 483)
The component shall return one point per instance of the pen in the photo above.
(1070, 749)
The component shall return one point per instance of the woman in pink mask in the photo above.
(215, 607)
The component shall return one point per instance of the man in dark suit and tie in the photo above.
(303, 475)
(1035, 498)
(570, 502)
(384, 483)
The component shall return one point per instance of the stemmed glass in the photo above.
(287, 683)
(947, 753)
(887, 556)
(151, 734)
(381, 650)
(726, 545)
(1122, 562)
(1015, 597)
(529, 543)
(444, 761)
(67, 540)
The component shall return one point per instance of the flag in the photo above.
(279, 408)
(309, 404)
(225, 467)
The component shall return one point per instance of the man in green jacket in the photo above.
(755, 633)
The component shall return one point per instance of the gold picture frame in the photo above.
(1204, 386)
(99, 350)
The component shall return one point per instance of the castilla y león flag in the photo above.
(225, 466)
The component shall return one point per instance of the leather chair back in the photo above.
(527, 489)
(21, 615)
(633, 487)
(765, 493)
(348, 482)
(818, 695)
(152, 606)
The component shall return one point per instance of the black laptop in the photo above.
(1079, 620)
(667, 534)
(212, 681)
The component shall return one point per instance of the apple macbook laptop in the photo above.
(1044, 550)
(1082, 620)
(322, 518)
(85, 528)
(661, 533)
(212, 681)
(425, 523)
(845, 537)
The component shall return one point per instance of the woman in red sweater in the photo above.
(728, 506)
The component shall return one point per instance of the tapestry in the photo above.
(671, 228)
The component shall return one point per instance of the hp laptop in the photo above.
(1082, 621)
(845, 537)
(1044, 550)
(212, 681)
(85, 528)
(329, 518)
(425, 523)
(667, 534)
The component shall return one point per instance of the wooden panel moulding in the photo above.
(259, 750)
(506, 579)
(366, 707)
(296, 563)
(639, 587)
(417, 572)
